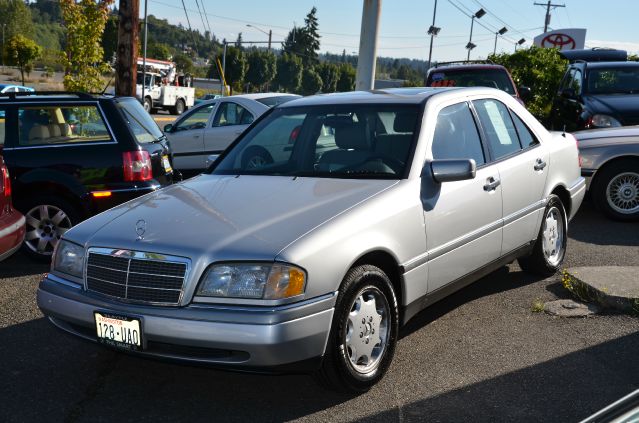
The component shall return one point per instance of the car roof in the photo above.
(256, 96)
(598, 65)
(469, 66)
(388, 96)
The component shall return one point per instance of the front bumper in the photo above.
(262, 339)
(577, 192)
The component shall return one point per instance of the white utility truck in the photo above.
(163, 87)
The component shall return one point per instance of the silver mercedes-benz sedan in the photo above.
(375, 205)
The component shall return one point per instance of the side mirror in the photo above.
(168, 127)
(453, 170)
(525, 93)
(568, 93)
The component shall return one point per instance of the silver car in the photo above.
(610, 163)
(200, 135)
(378, 205)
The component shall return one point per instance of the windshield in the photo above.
(147, 79)
(493, 78)
(141, 124)
(613, 80)
(274, 101)
(345, 141)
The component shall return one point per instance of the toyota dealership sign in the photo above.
(563, 39)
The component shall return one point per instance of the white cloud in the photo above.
(630, 47)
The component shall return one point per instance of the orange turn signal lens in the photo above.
(101, 194)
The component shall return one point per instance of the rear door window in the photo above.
(56, 124)
(498, 126)
(230, 113)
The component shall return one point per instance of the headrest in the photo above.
(39, 132)
(405, 122)
(54, 130)
(65, 130)
(351, 137)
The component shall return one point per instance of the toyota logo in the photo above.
(558, 40)
(140, 228)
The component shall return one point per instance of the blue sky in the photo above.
(404, 23)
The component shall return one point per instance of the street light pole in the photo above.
(433, 30)
(146, 36)
(470, 45)
(500, 32)
(269, 33)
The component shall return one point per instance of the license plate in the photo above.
(118, 331)
(166, 164)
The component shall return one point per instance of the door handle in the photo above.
(540, 164)
(196, 136)
(491, 184)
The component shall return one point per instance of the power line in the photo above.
(207, 19)
(197, 3)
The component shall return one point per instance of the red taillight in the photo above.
(6, 182)
(137, 166)
(294, 134)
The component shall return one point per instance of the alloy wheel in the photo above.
(45, 226)
(622, 193)
(553, 236)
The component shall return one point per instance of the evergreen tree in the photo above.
(289, 72)
(311, 81)
(305, 42)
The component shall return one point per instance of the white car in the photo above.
(201, 134)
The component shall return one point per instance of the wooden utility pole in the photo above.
(548, 6)
(127, 53)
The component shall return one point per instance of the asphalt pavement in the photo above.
(479, 355)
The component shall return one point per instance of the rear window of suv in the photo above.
(56, 124)
(141, 124)
(493, 78)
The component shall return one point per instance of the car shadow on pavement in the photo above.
(565, 389)
(592, 227)
(501, 280)
(20, 264)
(48, 375)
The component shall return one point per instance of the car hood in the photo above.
(225, 217)
(620, 105)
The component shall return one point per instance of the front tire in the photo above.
(616, 190)
(549, 250)
(363, 335)
(148, 104)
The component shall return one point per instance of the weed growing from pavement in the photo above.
(577, 288)
(537, 306)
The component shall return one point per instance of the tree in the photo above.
(261, 68)
(159, 51)
(289, 72)
(539, 68)
(15, 18)
(311, 81)
(305, 41)
(238, 42)
(329, 73)
(183, 63)
(346, 81)
(84, 59)
(110, 38)
(235, 68)
(21, 52)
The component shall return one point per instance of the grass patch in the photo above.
(537, 305)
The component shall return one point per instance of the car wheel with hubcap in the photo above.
(47, 219)
(550, 248)
(364, 331)
(148, 104)
(616, 190)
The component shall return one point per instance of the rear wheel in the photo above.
(616, 190)
(47, 219)
(256, 157)
(550, 248)
(179, 107)
(363, 334)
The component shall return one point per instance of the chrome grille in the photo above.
(136, 276)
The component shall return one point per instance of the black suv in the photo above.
(599, 90)
(73, 155)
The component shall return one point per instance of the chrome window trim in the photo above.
(139, 255)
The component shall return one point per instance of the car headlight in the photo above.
(267, 281)
(69, 258)
(604, 121)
